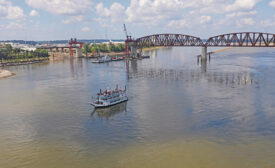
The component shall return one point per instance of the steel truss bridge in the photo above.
(242, 39)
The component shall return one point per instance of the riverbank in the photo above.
(5, 74)
(23, 62)
(221, 50)
(111, 54)
(61, 56)
(151, 48)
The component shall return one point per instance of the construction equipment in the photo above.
(125, 30)
(73, 43)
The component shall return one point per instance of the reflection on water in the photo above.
(179, 113)
(107, 113)
(227, 78)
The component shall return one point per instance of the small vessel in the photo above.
(142, 56)
(106, 58)
(116, 58)
(145, 56)
(109, 97)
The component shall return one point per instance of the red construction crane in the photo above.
(73, 43)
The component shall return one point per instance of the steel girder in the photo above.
(242, 39)
(168, 40)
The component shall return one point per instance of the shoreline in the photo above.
(6, 74)
(152, 48)
(221, 50)
(24, 62)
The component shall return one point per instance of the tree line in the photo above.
(103, 47)
(7, 52)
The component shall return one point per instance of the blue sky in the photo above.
(94, 19)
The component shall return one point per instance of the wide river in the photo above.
(179, 114)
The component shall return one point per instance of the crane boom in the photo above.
(125, 30)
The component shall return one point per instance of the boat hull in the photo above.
(108, 105)
(99, 62)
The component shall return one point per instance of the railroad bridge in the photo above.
(241, 39)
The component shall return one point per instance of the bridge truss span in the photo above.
(168, 40)
(243, 39)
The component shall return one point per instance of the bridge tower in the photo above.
(73, 44)
(130, 45)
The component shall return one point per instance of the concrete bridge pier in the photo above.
(133, 52)
(78, 52)
(204, 53)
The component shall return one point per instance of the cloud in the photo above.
(242, 5)
(242, 22)
(241, 14)
(155, 12)
(205, 19)
(272, 3)
(5, 2)
(238, 19)
(9, 11)
(248, 21)
(34, 13)
(73, 19)
(161, 12)
(12, 18)
(178, 24)
(14, 25)
(267, 23)
(115, 14)
(174, 13)
(85, 29)
(62, 7)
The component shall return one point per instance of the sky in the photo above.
(104, 19)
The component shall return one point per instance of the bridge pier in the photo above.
(133, 52)
(78, 52)
(204, 53)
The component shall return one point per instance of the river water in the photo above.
(179, 114)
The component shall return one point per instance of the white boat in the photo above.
(109, 112)
(109, 98)
(106, 58)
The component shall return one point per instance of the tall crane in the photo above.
(125, 30)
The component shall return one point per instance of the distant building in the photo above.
(28, 48)
(25, 47)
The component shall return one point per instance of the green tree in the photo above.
(41, 53)
(112, 47)
(121, 47)
(8, 47)
(103, 47)
(86, 49)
